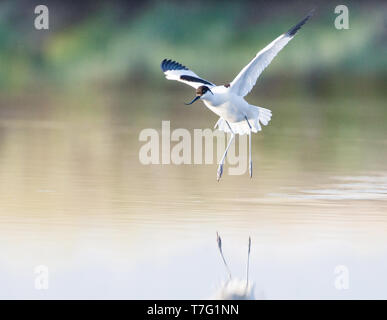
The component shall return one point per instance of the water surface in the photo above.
(74, 197)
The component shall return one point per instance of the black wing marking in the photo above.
(194, 79)
(297, 27)
(168, 64)
(176, 71)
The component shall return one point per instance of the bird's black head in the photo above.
(200, 91)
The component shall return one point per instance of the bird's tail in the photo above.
(256, 117)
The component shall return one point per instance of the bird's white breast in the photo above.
(227, 105)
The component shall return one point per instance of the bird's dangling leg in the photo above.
(250, 160)
(220, 167)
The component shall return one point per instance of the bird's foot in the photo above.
(219, 172)
(251, 169)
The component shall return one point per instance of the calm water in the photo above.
(75, 198)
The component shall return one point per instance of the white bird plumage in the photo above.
(236, 115)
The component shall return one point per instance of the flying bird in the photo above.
(236, 115)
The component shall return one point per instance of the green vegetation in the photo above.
(106, 47)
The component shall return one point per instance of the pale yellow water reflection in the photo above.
(74, 197)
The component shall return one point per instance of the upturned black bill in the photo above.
(194, 99)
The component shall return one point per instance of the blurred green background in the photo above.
(106, 44)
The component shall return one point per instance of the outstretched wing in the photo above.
(246, 79)
(176, 71)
